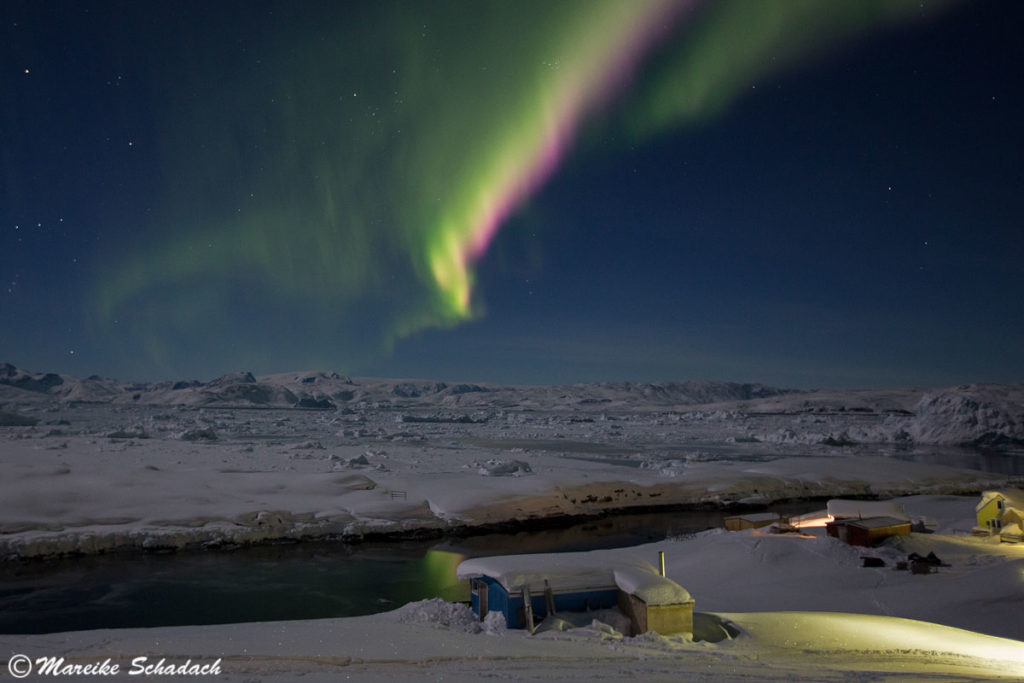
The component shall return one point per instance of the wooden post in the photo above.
(528, 609)
(549, 598)
(661, 559)
(482, 590)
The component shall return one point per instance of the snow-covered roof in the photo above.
(645, 583)
(1011, 531)
(840, 508)
(986, 498)
(1011, 513)
(875, 522)
(576, 572)
(757, 516)
(1013, 498)
(564, 572)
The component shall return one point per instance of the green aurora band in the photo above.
(332, 183)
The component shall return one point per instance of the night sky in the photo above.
(798, 192)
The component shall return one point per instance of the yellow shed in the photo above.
(990, 510)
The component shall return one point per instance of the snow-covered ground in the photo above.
(803, 606)
(91, 465)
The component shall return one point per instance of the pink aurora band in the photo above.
(594, 83)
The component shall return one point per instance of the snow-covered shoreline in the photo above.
(94, 465)
(99, 538)
(93, 496)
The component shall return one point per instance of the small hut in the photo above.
(653, 602)
(753, 520)
(868, 531)
(1012, 530)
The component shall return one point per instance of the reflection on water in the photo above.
(256, 584)
(299, 581)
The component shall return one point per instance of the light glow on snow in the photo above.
(811, 521)
(920, 635)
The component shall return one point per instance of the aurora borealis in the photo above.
(430, 189)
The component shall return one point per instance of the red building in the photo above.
(868, 531)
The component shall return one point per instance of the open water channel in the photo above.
(294, 581)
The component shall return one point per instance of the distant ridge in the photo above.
(329, 390)
(974, 414)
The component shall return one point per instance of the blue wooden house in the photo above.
(487, 594)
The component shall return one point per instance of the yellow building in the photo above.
(1000, 512)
